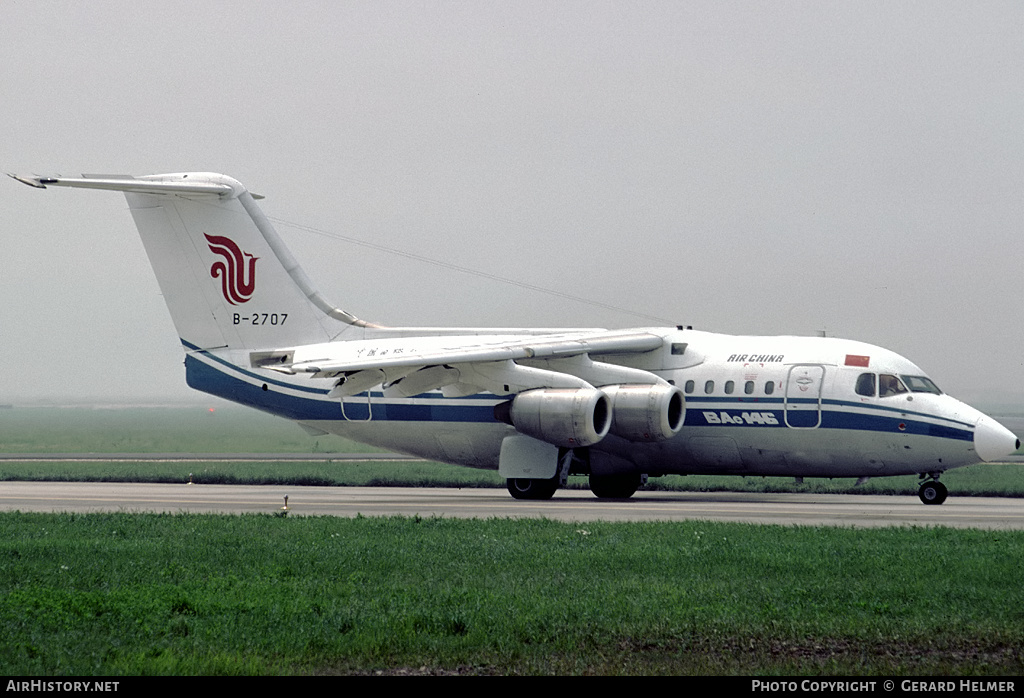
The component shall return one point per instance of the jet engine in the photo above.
(646, 412)
(565, 417)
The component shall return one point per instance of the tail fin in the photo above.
(227, 278)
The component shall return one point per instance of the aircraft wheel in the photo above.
(933, 492)
(620, 486)
(523, 488)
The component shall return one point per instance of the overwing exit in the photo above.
(538, 405)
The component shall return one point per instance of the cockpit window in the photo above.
(889, 384)
(865, 385)
(920, 384)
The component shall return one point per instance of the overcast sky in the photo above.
(752, 168)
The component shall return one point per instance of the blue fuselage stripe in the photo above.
(272, 396)
(208, 379)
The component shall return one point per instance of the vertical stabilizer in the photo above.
(226, 276)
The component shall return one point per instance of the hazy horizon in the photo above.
(750, 168)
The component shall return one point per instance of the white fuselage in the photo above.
(796, 406)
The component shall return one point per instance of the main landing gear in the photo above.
(618, 486)
(932, 491)
(523, 488)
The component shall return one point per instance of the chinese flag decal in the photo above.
(854, 360)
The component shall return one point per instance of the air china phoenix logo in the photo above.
(237, 280)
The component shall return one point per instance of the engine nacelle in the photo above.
(646, 412)
(565, 417)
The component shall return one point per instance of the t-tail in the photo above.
(229, 281)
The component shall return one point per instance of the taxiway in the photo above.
(567, 505)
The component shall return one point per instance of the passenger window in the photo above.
(709, 387)
(688, 388)
(729, 387)
(769, 388)
(748, 387)
(866, 385)
(889, 385)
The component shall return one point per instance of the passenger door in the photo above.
(803, 396)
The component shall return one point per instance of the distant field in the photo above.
(227, 429)
(235, 429)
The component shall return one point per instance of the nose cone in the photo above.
(993, 441)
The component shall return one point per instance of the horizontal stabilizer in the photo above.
(130, 184)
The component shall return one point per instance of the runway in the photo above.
(568, 505)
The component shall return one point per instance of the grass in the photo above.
(318, 473)
(187, 594)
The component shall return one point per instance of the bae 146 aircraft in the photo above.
(537, 404)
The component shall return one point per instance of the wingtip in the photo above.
(37, 182)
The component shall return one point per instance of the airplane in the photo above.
(538, 405)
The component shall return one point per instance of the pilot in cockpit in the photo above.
(889, 385)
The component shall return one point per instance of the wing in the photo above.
(468, 364)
